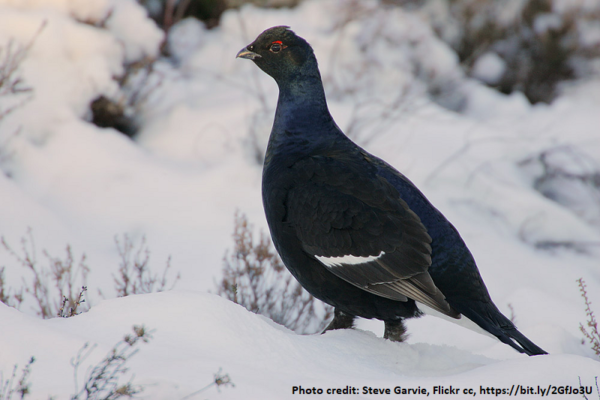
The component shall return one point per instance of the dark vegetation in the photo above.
(119, 110)
(540, 45)
(570, 177)
(166, 13)
(14, 92)
(219, 379)
(254, 276)
(12, 86)
(101, 381)
(590, 329)
(14, 385)
(57, 285)
(135, 275)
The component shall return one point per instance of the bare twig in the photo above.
(102, 382)
(219, 380)
(513, 317)
(134, 275)
(22, 385)
(591, 332)
(255, 277)
(6, 296)
(12, 56)
(64, 274)
(67, 310)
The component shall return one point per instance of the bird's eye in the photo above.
(277, 46)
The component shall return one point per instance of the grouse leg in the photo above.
(395, 331)
(341, 320)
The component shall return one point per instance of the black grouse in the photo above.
(355, 232)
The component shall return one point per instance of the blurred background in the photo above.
(132, 140)
(131, 149)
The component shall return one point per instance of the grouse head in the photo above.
(282, 54)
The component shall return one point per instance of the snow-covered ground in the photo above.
(193, 164)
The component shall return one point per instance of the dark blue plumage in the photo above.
(354, 231)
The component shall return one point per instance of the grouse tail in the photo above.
(489, 318)
(524, 345)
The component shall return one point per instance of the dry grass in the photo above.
(103, 380)
(590, 329)
(255, 277)
(56, 289)
(57, 285)
(12, 85)
(135, 275)
(20, 387)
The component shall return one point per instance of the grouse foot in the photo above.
(395, 331)
(341, 320)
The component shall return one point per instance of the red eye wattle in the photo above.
(277, 46)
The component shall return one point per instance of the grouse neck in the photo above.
(302, 108)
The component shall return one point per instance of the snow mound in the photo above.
(195, 334)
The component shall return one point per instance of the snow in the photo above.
(547, 22)
(204, 123)
(489, 68)
(198, 333)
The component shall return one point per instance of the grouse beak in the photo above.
(245, 53)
